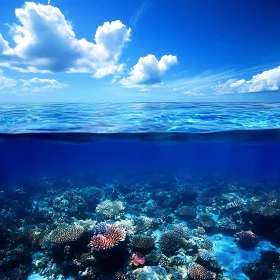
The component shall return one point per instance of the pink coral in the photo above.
(137, 259)
(107, 240)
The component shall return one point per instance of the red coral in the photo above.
(107, 240)
(137, 259)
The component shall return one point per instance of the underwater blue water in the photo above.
(225, 138)
(106, 145)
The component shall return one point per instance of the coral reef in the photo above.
(172, 228)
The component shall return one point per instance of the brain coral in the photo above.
(246, 239)
(66, 233)
(198, 272)
(108, 209)
(143, 241)
(170, 241)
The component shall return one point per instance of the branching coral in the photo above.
(109, 239)
(227, 224)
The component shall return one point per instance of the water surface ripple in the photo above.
(137, 117)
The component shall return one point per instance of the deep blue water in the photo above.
(74, 139)
(49, 152)
(33, 158)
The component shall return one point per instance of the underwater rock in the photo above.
(271, 257)
(263, 220)
(92, 195)
(152, 259)
(186, 212)
(151, 273)
(14, 274)
(207, 222)
(258, 271)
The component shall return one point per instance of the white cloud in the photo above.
(6, 84)
(3, 45)
(40, 85)
(34, 85)
(191, 93)
(148, 71)
(110, 69)
(268, 80)
(45, 42)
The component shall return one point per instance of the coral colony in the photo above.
(137, 230)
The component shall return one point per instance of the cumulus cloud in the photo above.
(45, 42)
(148, 71)
(268, 80)
(29, 86)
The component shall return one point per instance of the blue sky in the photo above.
(126, 51)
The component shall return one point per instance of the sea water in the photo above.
(170, 165)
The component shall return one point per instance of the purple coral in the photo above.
(246, 239)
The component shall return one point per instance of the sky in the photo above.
(140, 51)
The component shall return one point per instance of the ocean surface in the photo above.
(140, 191)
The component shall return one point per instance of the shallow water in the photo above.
(60, 163)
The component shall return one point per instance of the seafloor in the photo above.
(181, 227)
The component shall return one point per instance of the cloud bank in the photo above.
(268, 80)
(45, 42)
(29, 86)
